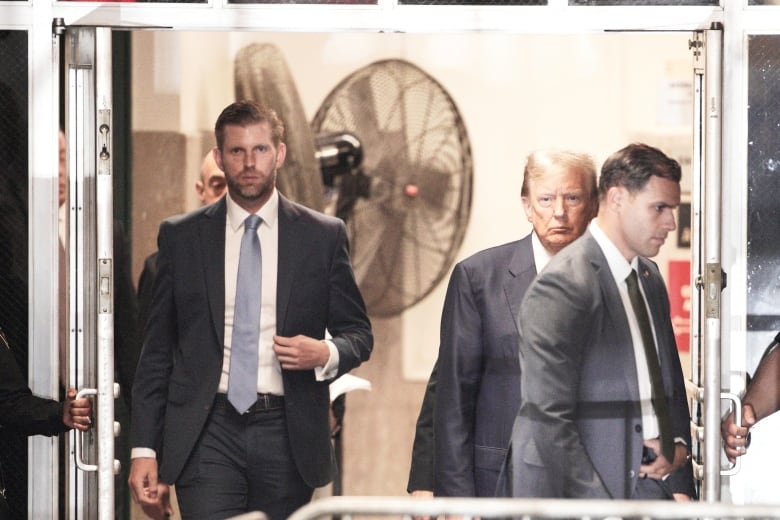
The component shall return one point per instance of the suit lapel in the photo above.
(212, 246)
(623, 357)
(522, 271)
(290, 255)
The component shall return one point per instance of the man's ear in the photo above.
(281, 153)
(527, 207)
(217, 157)
(615, 197)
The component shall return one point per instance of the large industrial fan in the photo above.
(394, 163)
(408, 222)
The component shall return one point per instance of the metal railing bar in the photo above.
(520, 507)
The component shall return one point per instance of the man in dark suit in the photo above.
(472, 395)
(600, 416)
(269, 457)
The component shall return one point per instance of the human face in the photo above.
(250, 161)
(558, 207)
(646, 217)
(211, 185)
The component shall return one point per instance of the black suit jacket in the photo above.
(181, 362)
(20, 411)
(472, 396)
(146, 290)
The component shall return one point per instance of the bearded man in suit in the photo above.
(227, 455)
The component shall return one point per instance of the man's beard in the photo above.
(251, 193)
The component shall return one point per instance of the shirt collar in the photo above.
(541, 255)
(269, 212)
(617, 263)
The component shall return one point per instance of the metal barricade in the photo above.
(465, 508)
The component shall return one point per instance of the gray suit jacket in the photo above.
(181, 362)
(476, 379)
(578, 432)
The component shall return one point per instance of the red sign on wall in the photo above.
(680, 302)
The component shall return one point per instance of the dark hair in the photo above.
(633, 166)
(244, 113)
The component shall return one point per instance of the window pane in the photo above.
(763, 248)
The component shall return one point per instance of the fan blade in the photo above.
(261, 74)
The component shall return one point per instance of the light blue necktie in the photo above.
(242, 384)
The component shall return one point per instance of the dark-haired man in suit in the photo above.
(226, 451)
(603, 410)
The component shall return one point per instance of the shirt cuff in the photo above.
(137, 453)
(331, 368)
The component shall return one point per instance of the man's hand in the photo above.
(77, 413)
(735, 437)
(153, 496)
(301, 352)
(161, 510)
(661, 467)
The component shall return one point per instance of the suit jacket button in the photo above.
(638, 428)
(631, 473)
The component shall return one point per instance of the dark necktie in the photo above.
(242, 382)
(654, 368)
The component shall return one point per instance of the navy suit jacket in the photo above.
(181, 362)
(578, 432)
(476, 381)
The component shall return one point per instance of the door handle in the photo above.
(82, 465)
(734, 468)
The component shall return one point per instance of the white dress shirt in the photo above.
(541, 255)
(620, 269)
(269, 371)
